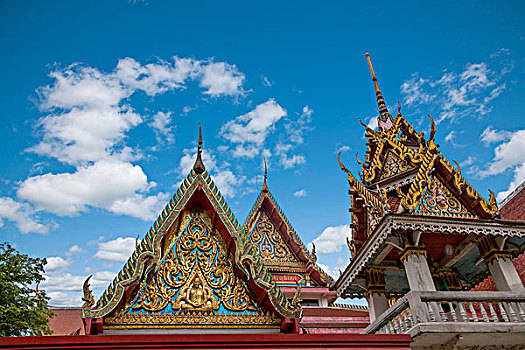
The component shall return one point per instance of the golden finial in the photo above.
(137, 242)
(380, 100)
(265, 187)
(314, 257)
(36, 289)
(198, 167)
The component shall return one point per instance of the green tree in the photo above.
(23, 310)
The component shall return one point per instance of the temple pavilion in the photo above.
(423, 238)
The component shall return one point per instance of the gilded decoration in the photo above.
(393, 166)
(438, 201)
(193, 284)
(268, 240)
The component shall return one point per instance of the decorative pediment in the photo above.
(194, 268)
(279, 245)
(393, 165)
(194, 285)
(437, 200)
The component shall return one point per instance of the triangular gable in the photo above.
(194, 284)
(251, 278)
(393, 165)
(279, 245)
(438, 200)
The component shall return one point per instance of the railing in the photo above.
(450, 307)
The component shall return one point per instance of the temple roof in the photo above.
(198, 201)
(406, 180)
(284, 253)
(404, 172)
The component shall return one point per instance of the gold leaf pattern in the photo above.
(194, 276)
(438, 201)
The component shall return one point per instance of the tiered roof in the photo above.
(406, 173)
(407, 184)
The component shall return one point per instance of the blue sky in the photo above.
(100, 103)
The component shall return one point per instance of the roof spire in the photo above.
(265, 187)
(198, 167)
(385, 119)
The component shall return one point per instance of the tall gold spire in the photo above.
(265, 187)
(198, 167)
(380, 100)
(385, 120)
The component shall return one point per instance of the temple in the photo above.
(440, 266)
(423, 238)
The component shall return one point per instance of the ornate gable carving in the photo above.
(437, 200)
(393, 165)
(194, 285)
(269, 241)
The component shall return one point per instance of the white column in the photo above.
(418, 272)
(505, 275)
(377, 304)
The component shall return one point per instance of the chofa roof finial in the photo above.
(385, 119)
(265, 187)
(198, 167)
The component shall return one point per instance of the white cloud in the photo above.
(501, 52)
(86, 135)
(161, 125)
(287, 161)
(518, 179)
(300, 193)
(228, 182)
(88, 118)
(452, 136)
(343, 148)
(64, 299)
(62, 282)
(331, 239)
(75, 249)
(56, 264)
(490, 135)
(334, 271)
(469, 161)
(187, 109)
(290, 162)
(249, 131)
(297, 128)
(467, 93)
(413, 92)
(107, 184)
(220, 78)
(508, 154)
(140, 206)
(21, 214)
(266, 82)
(119, 249)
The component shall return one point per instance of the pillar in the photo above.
(376, 293)
(500, 265)
(414, 259)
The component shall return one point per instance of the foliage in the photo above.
(23, 310)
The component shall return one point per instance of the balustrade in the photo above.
(451, 308)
